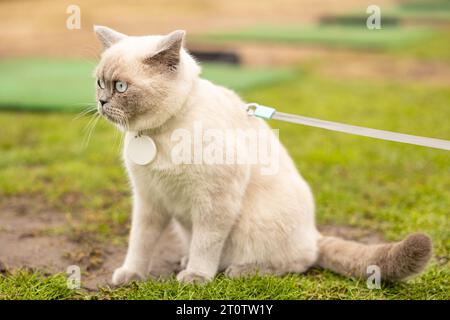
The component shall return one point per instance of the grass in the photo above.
(52, 84)
(333, 35)
(23, 285)
(385, 187)
(313, 285)
(430, 9)
(435, 48)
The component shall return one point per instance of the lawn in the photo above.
(351, 36)
(437, 10)
(383, 187)
(436, 47)
(428, 11)
(61, 84)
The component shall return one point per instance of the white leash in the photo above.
(265, 112)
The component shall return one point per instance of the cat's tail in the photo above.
(396, 261)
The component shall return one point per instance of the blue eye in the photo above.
(101, 83)
(121, 86)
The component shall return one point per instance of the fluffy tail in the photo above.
(396, 260)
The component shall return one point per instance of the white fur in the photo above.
(235, 219)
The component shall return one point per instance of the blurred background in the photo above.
(62, 187)
(39, 51)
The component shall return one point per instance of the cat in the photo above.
(231, 217)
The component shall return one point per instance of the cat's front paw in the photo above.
(187, 276)
(122, 276)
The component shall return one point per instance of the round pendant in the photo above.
(141, 150)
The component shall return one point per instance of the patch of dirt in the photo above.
(21, 205)
(28, 241)
(23, 238)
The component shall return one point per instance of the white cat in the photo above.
(232, 217)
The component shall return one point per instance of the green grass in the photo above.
(436, 10)
(312, 285)
(381, 186)
(430, 5)
(435, 48)
(241, 79)
(33, 286)
(52, 84)
(335, 36)
(46, 84)
(427, 11)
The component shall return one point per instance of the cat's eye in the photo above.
(101, 83)
(121, 86)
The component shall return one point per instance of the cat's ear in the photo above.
(168, 54)
(108, 36)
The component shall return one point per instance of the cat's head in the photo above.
(142, 81)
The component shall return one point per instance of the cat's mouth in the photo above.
(111, 118)
(115, 115)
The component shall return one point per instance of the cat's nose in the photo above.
(102, 102)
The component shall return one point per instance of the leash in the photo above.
(264, 112)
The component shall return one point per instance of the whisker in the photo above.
(127, 128)
(86, 130)
(92, 128)
(80, 103)
(86, 126)
(117, 138)
(123, 121)
(86, 111)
